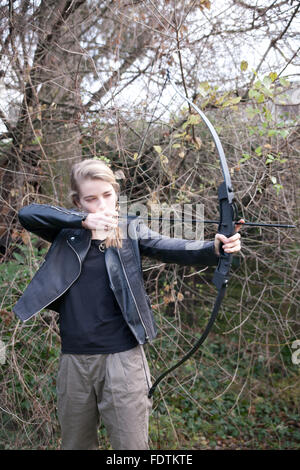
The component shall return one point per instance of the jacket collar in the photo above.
(80, 241)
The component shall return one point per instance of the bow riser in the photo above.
(226, 227)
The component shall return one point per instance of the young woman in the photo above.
(92, 276)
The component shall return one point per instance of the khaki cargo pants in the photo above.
(113, 387)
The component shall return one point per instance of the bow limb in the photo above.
(223, 161)
(197, 345)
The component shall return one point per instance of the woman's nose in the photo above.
(100, 204)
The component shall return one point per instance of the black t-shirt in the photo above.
(91, 321)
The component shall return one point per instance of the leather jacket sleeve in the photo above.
(46, 221)
(176, 250)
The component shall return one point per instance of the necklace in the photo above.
(101, 247)
(100, 244)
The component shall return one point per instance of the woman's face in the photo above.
(97, 196)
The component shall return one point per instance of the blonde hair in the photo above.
(94, 169)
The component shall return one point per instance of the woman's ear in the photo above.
(77, 203)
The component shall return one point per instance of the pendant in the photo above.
(102, 247)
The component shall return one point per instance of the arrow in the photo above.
(252, 224)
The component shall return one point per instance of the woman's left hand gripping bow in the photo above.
(231, 244)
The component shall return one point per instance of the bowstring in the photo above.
(141, 147)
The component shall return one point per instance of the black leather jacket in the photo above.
(70, 243)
